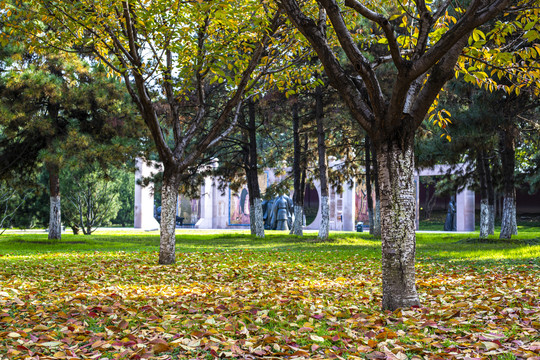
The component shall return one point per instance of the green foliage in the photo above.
(126, 196)
(91, 197)
(58, 109)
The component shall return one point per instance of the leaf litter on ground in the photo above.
(260, 304)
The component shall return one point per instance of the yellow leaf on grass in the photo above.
(316, 338)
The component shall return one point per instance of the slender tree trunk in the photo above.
(484, 204)
(396, 176)
(298, 174)
(255, 201)
(507, 143)
(369, 191)
(55, 216)
(169, 194)
(377, 213)
(324, 228)
(255, 204)
(491, 196)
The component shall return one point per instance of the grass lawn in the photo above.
(233, 296)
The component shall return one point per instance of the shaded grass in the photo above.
(434, 246)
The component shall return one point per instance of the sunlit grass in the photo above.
(341, 244)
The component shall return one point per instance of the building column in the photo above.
(144, 199)
(349, 206)
(465, 210)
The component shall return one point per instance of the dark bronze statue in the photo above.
(450, 223)
(278, 213)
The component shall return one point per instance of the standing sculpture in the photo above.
(277, 213)
(450, 223)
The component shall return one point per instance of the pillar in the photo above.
(144, 199)
(465, 210)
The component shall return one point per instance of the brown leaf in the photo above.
(160, 348)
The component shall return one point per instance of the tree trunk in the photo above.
(484, 203)
(484, 218)
(377, 213)
(298, 174)
(169, 194)
(55, 218)
(324, 228)
(398, 204)
(369, 191)
(491, 196)
(255, 201)
(507, 145)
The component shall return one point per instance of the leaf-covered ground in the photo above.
(292, 299)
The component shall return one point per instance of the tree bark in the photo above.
(484, 203)
(55, 216)
(396, 177)
(507, 150)
(491, 196)
(298, 174)
(255, 201)
(324, 228)
(169, 194)
(369, 191)
(377, 213)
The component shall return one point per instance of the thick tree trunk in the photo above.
(507, 145)
(169, 194)
(396, 180)
(298, 223)
(324, 228)
(298, 174)
(369, 191)
(55, 216)
(377, 213)
(508, 221)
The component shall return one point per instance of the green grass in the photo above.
(454, 247)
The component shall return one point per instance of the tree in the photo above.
(92, 197)
(424, 53)
(56, 107)
(323, 166)
(126, 196)
(10, 202)
(172, 51)
(299, 168)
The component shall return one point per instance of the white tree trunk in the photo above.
(508, 224)
(55, 219)
(257, 218)
(491, 230)
(485, 218)
(252, 222)
(398, 205)
(167, 240)
(297, 227)
(324, 228)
